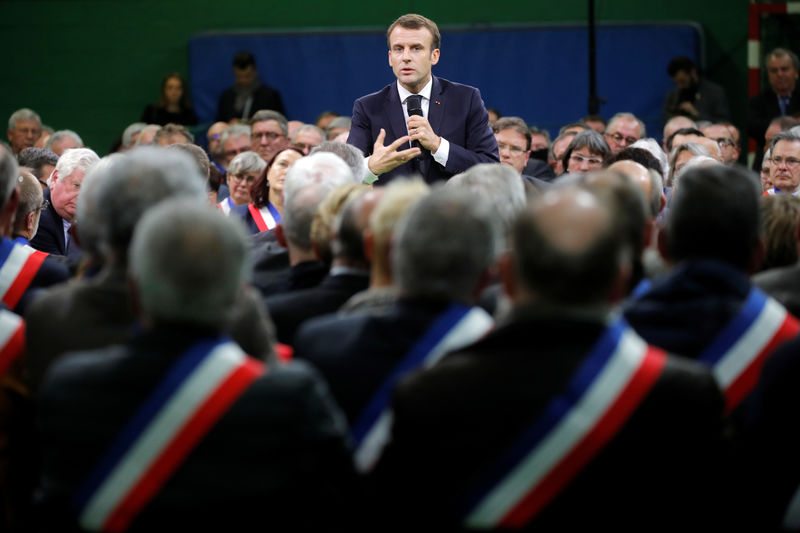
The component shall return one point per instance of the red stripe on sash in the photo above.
(183, 443)
(259, 220)
(746, 381)
(13, 348)
(603, 431)
(20, 285)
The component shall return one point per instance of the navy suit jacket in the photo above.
(456, 113)
(50, 236)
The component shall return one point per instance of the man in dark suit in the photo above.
(235, 439)
(54, 236)
(512, 433)
(449, 130)
(248, 94)
(781, 98)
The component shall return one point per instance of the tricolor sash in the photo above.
(19, 265)
(194, 394)
(12, 338)
(265, 218)
(737, 354)
(225, 206)
(458, 326)
(576, 425)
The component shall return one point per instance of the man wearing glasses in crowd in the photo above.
(268, 133)
(623, 130)
(724, 138)
(785, 167)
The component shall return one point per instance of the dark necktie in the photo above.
(783, 103)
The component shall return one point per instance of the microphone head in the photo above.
(414, 106)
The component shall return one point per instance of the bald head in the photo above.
(572, 221)
(650, 185)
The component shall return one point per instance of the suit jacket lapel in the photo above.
(436, 106)
(394, 110)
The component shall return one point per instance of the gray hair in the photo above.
(656, 190)
(75, 159)
(590, 139)
(299, 209)
(63, 134)
(338, 122)
(130, 131)
(444, 245)
(499, 184)
(36, 158)
(348, 229)
(788, 136)
(652, 146)
(642, 129)
(268, 114)
(694, 148)
(22, 114)
(246, 163)
(30, 197)
(171, 130)
(150, 127)
(197, 154)
(135, 182)
(783, 52)
(189, 262)
(324, 168)
(351, 155)
(237, 130)
(307, 127)
(9, 172)
(90, 226)
(696, 161)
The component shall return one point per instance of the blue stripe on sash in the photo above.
(6, 246)
(558, 408)
(182, 368)
(437, 331)
(737, 327)
(274, 212)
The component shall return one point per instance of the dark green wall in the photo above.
(93, 65)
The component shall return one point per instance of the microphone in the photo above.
(414, 107)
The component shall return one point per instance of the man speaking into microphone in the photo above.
(421, 124)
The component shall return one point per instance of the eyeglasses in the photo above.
(270, 135)
(619, 138)
(791, 162)
(246, 178)
(723, 142)
(45, 205)
(578, 158)
(516, 150)
(232, 153)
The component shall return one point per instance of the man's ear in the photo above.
(435, 56)
(280, 237)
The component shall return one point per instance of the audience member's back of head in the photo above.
(197, 154)
(350, 154)
(444, 246)
(570, 246)
(323, 224)
(714, 214)
(499, 184)
(189, 262)
(323, 168)
(779, 214)
(9, 172)
(138, 180)
(36, 159)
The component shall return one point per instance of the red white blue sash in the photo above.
(458, 326)
(225, 206)
(738, 353)
(12, 338)
(196, 392)
(265, 218)
(577, 424)
(19, 265)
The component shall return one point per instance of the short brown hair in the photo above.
(412, 21)
(516, 124)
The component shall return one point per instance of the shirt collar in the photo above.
(425, 92)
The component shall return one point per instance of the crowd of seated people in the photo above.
(596, 330)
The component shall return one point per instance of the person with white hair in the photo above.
(442, 252)
(236, 438)
(24, 129)
(63, 140)
(62, 196)
(623, 130)
(29, 209)
(130, 134)
(243, 172)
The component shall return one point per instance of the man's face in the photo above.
(62, 144)
(64, 194)
(411, 57)
(785, 169)
(306, 140)
(24, 135)
(765, 174)
(233, 147)
(267, 139)
(623, 132)
(782, 74)
(511, 145)
(245, 76)
(539, 142)
(213, 135)
(722, 135)
(684, 79)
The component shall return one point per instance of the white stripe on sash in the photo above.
(13, 266)
(750, 344)
(565, 436)
(472, 326)
(181, 406)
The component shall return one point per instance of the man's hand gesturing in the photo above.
(385, 158)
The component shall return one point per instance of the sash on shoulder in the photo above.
(225, 206)
(739, 351)
(265, 218)
(458, 326)
(19, 265)
(12, 338)
(577, 424)
(196, 392)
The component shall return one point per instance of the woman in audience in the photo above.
(173, 105)
(242, 173)
(588, 151)
(267, 192)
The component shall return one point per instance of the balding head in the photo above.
(644, 179)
